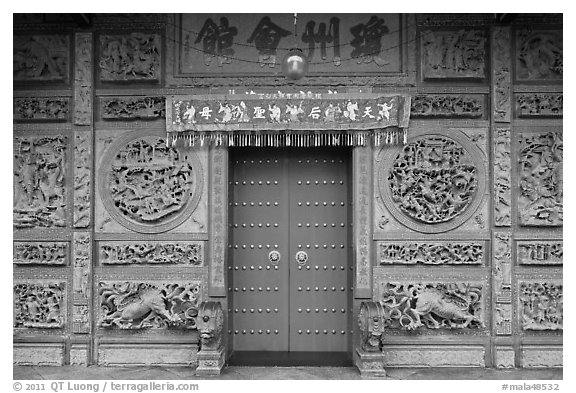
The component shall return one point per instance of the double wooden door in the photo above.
(290, 258)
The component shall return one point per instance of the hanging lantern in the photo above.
(295, 64)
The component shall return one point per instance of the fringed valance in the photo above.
(278, 119)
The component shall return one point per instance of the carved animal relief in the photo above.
(431, 253)
(39, 181)
(433, 306)
(539, 55)
(541, 306)
(151, 253)
(41, 253)
(41, 109)
(133, 108)
(541, 184)
(130, 57)
(137, 305)
(540, 253)
(41, 58)
(446, 106)
(39, 305)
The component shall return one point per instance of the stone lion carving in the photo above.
(210, 323)
(371, 321)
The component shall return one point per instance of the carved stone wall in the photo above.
(502, 178)
(128, 108)
(41, 109)
(126, 253)
(535, 105)
(431, 253)
(83, 80)
(82, 179)
(39, 305)
(541, 305)
(502, 282)
(130, 57)
(41, 58)
(462, 106)
(539, 55)
(41, 253)
(502, 74)
(537, 252)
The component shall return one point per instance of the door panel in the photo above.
(290, 201)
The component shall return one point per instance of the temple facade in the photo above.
(377, 190)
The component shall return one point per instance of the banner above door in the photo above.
(288, 119)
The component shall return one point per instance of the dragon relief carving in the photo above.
(446, 106)
(432, 180)
(137, 305)
(453, 53)
(145, 108)
(130, 57)
(431, 253)
(539, 55)
(41, 109)
(39, 305)
(433, 306)
(41, 253)
(210, 325)
(541, 305)
(39, 181)
(41, 58)
(540, 105)
(152, 253)
(541, 183)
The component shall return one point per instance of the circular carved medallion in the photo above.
(148, 187)
(434, 183)
(301, 257)
(274, 257)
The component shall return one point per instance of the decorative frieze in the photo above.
(462, 106)
(83, 79)
(541, 305)
(39, 305)
(141, 305)
(40, 165)
(41, 253)
(430, 253)
(538, 252)
(130, 57)
(502, 282)
(502, 178)
(218, 214)
(82, 178)
(534, 105)
(41, 109)
(502, 73)
(539, 55)
(128, 108)
(125, 253)
(41, 58)
(411, 305)
(453, 54)
(540, 201)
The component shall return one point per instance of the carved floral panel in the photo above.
(540, 202)
(463, 106)
(539, 55)
(124, 253)
(41, 109)
(432, 305)
(541, 305)
(537, 252)
(430, 253)
(530, 105)
(453, 54)
(142, 305)
(39, 305)
(126, 108)
(40, 253)
(130, 57)
(41, 58)
(40, 182)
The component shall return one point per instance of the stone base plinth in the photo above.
(210, 362)
(370, 364)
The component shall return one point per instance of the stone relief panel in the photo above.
(82, 247)
(430, 253)
(44, 58)
(534, 105)
(502, 178)
(413, 305)
(541, 305)
(83, 79)
(461, 106)
(128, 108)
(537, 252)
(540, 201)
(539, 55)
(40, 182)
(41, 253)
(130, 57)
(82, 178)
(39, 305)
(502, 282)
(41, 109)
(453, 54)
(145, 305)
(151, 252)
(501, 73)
(148, 187)
(435, 182)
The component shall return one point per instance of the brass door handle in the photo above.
(301, 257)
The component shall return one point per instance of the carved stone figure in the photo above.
(453, 53)
(434, 306)
(137, 305)
(540, 201)
(539, 55)
(39, 305)
(427, 253)
(502, 178)
(145, 108)
(41, 58)
(39, 181)
(210, 325)
(41, 109)
(128, 57)
(151, 253)
(541, 305)
(540, 105)
(372, 321)
(466, 106)
(531, 252)
(41, 253)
